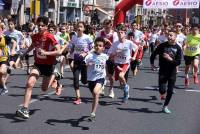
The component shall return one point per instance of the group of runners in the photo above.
(97, 56)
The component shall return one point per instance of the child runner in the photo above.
(121, 51)
(80, 45)
(169, 58)
(46, 50)
(96, 72)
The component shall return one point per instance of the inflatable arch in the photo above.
(122, 8)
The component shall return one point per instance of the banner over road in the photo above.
(164, 4)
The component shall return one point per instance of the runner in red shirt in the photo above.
(45, 50)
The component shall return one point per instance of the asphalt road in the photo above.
(51, 114)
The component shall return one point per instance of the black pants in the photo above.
(166, 84)
(79, 67)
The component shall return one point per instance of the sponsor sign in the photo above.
(164, 4)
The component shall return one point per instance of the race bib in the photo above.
(121, 57)
(40, 56)
(192, 49)
(78, 50)
(99, 67)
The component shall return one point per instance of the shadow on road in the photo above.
(141, 110)
(14, 118)
(72, 122)
(153, 98)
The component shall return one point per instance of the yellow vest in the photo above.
(193, 45)
(3, 49)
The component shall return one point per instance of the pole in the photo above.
(81, 16)
(186, 16)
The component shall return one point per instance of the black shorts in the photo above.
(110, 67)
(4, 62)
(92, 84)
(190, 59)
(13, 58)
(70, 60)
(45, 70)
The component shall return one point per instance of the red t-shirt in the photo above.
(46, 42)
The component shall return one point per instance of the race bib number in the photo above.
(192, 49)
(121, 57)
(78, 50)
(40, 56)
(99, 67)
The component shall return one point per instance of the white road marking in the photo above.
(151, 88)
(193, 91)
(40, 97)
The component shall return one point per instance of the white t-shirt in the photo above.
(122, 51)
(81, 44)
(180, 38)
(162, 38)
(153, 38)
(96, 66)
(17, 36)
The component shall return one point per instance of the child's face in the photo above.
(99, 47)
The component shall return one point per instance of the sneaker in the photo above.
(196, 79)
(3, 91)
(166, 110)
(187, 83)
(111, 93)
(92, 117)
(126, 93)
(77, 102)
(23, 113)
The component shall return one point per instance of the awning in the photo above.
(2, 3)
(102, 10)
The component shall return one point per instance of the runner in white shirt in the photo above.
(121, 51)
(80, 45)
(96, 72)
(109, 36)
(180, 38)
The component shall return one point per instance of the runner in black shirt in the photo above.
(169, 57)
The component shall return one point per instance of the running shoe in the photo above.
(23, 112)
(187, 83)
(3, 90)
(126, 93)
(77, 101)
(92, 117)
(111, 93)
(166, 110)
(196, 79)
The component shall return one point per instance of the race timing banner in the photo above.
(164, 4)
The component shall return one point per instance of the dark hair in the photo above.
(52, 26)
(195, 25)
(107, 21)
(121, 27)
(133, 22)
(43, 19)
(11, 20)
(99, 39)
(130, 34)
(81, 22)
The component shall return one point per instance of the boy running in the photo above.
(96, 72)
(46, 49)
